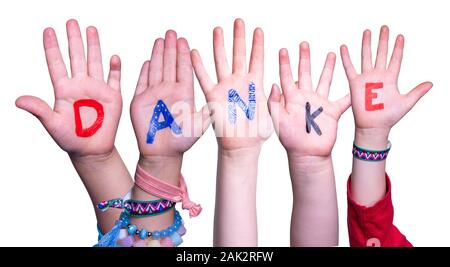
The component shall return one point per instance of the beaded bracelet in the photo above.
(125, 234)
(370, 155)
(138, 208)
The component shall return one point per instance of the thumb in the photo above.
(202, 121)
(417, 93)
(275, 106)
(37, 107)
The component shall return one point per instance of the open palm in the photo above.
(168, 77)
(289, 110)
(387, 106)
(87, 82)
(244, 131)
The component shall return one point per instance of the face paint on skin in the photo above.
(234, 98)
(310, 119)
(155, 125)
(87, 132)
(370, 95)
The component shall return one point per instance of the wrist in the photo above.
(94, 160)
(372, 138)
(166, 168)
(309, 165)
(240, 154)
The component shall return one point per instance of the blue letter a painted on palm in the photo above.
(156, 125)
(234, 98)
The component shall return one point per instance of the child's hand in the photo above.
(239, 119)
(86, 82)
(376, 101)
(305, 120)
(168, 78)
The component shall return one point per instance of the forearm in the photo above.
(164, 168)
(314, 214)
(235, 221)
(368, 181)
(105, 177)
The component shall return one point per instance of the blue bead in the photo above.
(164, 233)
(132, 229)
(156, 234)
(143, 234)
(169, 231)
(176, 239)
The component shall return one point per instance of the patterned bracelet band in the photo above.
(138, 208)
(370, 155)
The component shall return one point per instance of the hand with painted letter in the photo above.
(85, 116)
(87, 109)
(242, 123)
(305, 120)
(306, 123)
(163, 112)
(376, 100)
(237, 102)
(377, 106)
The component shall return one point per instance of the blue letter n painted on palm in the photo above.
(156, 125)
(234, 98)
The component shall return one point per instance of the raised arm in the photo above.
(85, 115)
(306, 123)
(377, 106)
(241, 121)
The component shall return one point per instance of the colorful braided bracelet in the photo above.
(370, 155)
(138, 208)
(125, 234)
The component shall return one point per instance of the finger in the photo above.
(55, 62)
(184, 64)
(382, 52)
(347, 62)
(76, 49)
(304, 67)
(416, 94)
(170, 56)
(344, 103)
(37, 107)
(366, 52)
(220, 56)
(203, 78)
(239, 60)
(257, 55)
(323, 89)
(397, 55)
(94, 54)
(287, 82)
(114, 72)
(155, 74)
(142, 83)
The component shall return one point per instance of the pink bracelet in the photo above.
(156, 187)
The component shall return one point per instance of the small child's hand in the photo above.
(237, 102)
(163, 109)
(87, 127)
(376, 100)
(305, 120)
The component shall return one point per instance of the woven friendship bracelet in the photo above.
(370, 155)
(138, 208)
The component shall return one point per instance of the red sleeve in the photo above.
(373, 226)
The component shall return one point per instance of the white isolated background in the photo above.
(45, 204)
